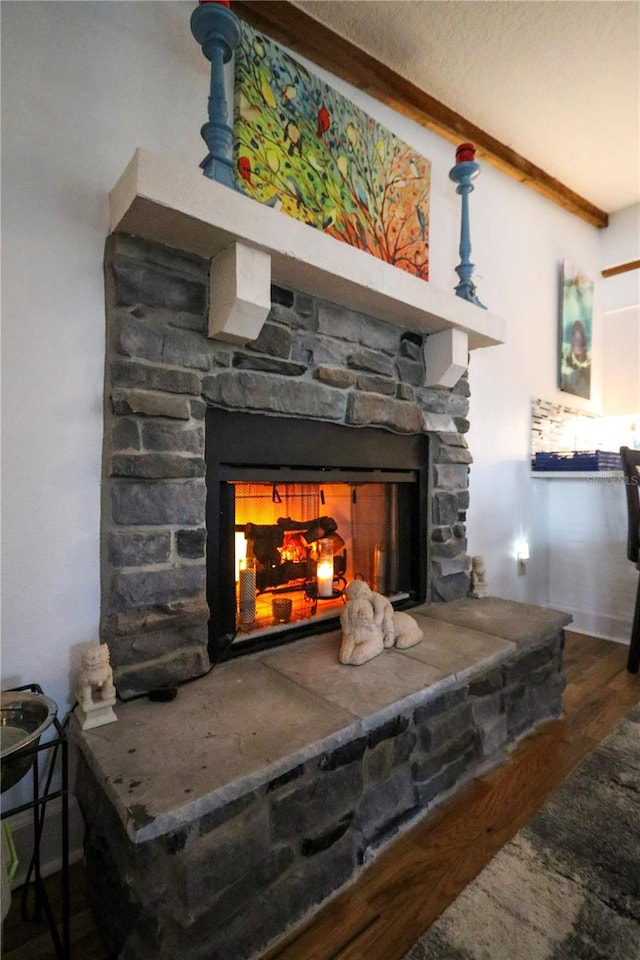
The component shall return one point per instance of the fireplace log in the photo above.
(266, 538)
(316, 529)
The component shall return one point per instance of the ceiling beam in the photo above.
(621, 268)
(293, 27)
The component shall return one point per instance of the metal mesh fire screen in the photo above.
(286, 534)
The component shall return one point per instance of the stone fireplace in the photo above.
(314, 363)
(219, 819)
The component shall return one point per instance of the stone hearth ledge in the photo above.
(251, 720)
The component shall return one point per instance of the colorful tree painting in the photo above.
(302, 147)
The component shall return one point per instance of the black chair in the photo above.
(631, 467)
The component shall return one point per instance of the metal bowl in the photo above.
(24, 717)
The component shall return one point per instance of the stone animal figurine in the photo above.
(479, 586)
(95, 690)
(369, 624)
(361, 621)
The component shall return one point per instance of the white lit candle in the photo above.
(324, 571)
(241, 551)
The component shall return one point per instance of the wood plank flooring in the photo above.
(395, 899)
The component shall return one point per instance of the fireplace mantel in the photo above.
(160, 199)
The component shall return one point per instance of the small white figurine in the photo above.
(369, 624)
(95, 690)
(479, 586)
(362, 636)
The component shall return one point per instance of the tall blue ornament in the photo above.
(217, 30)
(465, 171)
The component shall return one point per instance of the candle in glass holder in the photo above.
(247, 590)
(281, 609)
(324, 570)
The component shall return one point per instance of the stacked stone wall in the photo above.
(312, 359)
(223, 886)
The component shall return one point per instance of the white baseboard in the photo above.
(599, 625)
(22, 831)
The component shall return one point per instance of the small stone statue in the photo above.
(369, 624)
(479, 586)
(95, 690)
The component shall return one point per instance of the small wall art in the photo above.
(576, 326)
(305, 149)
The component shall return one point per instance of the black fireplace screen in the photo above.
(295, 510)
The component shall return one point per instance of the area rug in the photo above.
(567, 887)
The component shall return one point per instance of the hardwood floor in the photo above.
(410, 884)
(32, 941)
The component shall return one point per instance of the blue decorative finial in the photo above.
(465, 170)
(217, 30)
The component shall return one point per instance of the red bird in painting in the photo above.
(324, 120)
(244, 168)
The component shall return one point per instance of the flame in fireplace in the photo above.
(295, 548)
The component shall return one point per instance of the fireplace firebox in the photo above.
(295, 509)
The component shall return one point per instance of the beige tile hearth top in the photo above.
(520, 622)
(253, 719)
(371, 693)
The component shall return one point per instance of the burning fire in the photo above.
(294, 548)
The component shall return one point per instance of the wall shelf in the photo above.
(163, 200)
(595, 476)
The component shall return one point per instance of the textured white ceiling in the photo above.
(556, 80)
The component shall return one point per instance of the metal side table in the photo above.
(26, 714)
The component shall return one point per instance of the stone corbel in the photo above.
(239, 293)
(446, 357)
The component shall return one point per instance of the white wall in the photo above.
(621, 314)
(84, 84)
(620, 242)
(589, 574)
(621, 356)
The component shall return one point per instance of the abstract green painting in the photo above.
(575, 332)
(305, 149)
